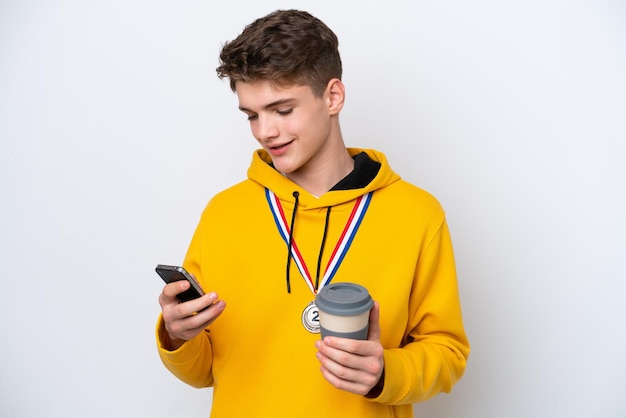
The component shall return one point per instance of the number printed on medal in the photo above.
(310, 318)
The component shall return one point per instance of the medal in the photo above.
(311, 318)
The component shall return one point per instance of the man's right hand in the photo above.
(183, 321)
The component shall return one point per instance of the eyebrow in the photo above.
(271, 105)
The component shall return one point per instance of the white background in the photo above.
(115, 132)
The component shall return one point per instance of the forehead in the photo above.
(255, 95)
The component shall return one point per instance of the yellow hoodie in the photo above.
(259, 357)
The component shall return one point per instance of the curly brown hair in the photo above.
(285, 47)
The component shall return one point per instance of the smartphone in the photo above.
(171, 274)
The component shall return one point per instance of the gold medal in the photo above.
(311, 318)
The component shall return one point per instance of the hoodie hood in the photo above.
(263, 173)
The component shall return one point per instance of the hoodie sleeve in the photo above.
(192, 362)
(435, 349)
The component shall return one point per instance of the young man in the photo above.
(312, 212)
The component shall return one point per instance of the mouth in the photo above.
(279, 150)
(281, 146)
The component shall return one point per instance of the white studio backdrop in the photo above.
(115, 132)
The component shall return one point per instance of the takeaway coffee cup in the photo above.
(344, 310)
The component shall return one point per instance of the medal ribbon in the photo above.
(343, 244)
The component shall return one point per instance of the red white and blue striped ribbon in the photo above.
(343, 244)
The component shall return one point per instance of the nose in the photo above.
(265, 128)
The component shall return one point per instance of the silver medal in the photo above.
(310, 318)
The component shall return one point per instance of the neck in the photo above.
(325, 175)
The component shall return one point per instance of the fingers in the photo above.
(353, 365)
(352, 354)
(360, 385)
(169, 299)
(174, 288)
(373, 333)
(183, 321)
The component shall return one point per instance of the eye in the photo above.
(252, 117)
(284, 112)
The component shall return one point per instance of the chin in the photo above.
(286, 171)
(283, 167)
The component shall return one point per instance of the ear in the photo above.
(335, 96)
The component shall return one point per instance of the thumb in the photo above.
(373, 333)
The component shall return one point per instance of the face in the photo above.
(296, 128)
